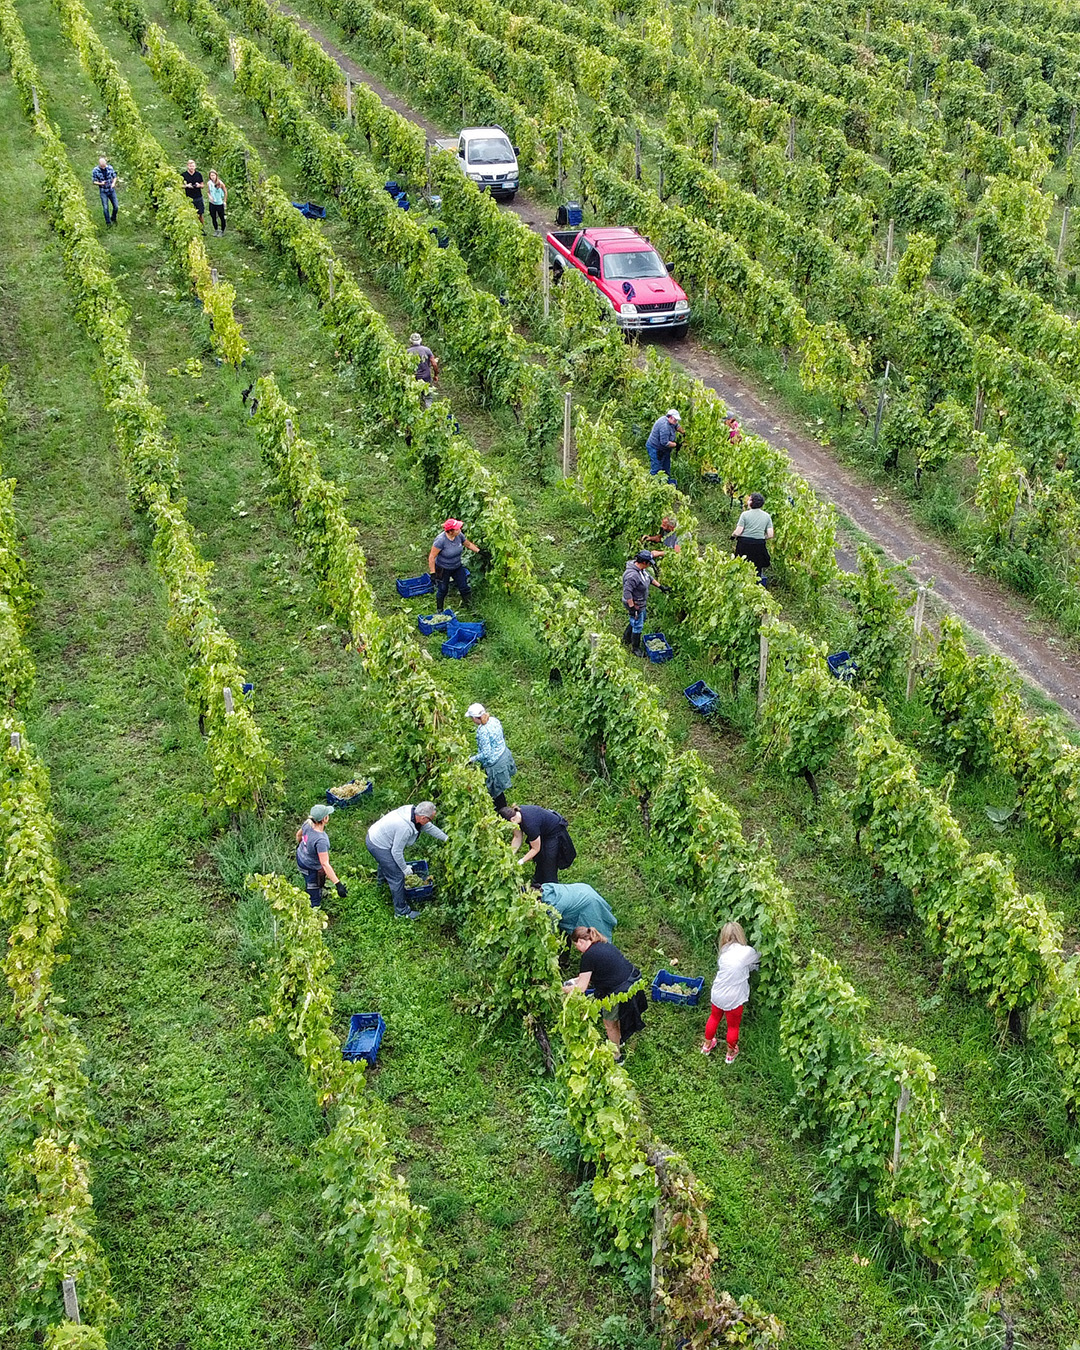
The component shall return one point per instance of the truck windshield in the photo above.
(643, 262)
(491, 150)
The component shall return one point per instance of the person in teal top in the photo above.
(578, 906)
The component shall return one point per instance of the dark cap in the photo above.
(644, 556)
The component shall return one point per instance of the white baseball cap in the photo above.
(674, 412)
(475, 710)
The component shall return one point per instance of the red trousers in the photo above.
(734, 1017)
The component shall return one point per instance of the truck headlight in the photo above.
(628, 311)
(682, 306)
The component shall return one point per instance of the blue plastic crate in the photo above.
(435, 623)
(459, 628)
(661, 654)
(365, 1036)
(842, 666)
(461, 638)
(310, 210)
(421, 868)
(340, 803)
(691, 985)
(460, 645)
(700, 697)
(407, 587)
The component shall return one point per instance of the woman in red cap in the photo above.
(444, 561)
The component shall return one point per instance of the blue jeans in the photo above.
(391, 873)
(314, 881)
(637, 620)
(443, 577)
(108, 195)
(660, 461)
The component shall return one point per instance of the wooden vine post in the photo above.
(330, 279)
(234, 52)
(1063, 236)
(916, 631)
(881, 401)
(889, 245)
(901, 1106)
(566, 433)
(71, 1300)
(348, 97)
(229, 705)
(763, 666)
(545, 280)
(16, 741)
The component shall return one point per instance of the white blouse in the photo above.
(731, 988)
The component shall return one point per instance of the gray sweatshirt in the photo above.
(397, 831)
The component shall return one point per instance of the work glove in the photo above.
(666, 589)
(341, 889)
(408, 869)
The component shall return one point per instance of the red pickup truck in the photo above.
(628, 273)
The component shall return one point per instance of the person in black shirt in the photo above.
(548, 838)
(606, 971)
(193, 186)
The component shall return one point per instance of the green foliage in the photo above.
(156, 177)
(242, 764)
(46, 1124)
(371, 1223)
(807, 714)
(847, 1088)
(882, 628)
(603, 1109)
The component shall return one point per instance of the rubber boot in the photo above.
(628, 633)
(635, 644)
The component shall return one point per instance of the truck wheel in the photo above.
(679, 332)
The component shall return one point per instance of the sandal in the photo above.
(707, 1047)
(729, 1058)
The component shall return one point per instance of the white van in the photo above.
(487, 157)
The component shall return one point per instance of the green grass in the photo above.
(167, 961)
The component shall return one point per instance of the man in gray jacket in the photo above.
(387, 841)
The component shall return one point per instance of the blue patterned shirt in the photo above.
(490, 742)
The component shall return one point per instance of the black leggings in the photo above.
(217, 216)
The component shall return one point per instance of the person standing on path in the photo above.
(193, 186)
(754, 528)
(635, 592)
(548, 838)
(427, 363)
(607, 971)
(445, 561)
(105, 179)
(730, 989)
(662, 440)
(219, 195)
(492, 753)
(387, 841)
(313, 855)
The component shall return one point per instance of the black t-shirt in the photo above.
(193, 183)
(609, 968)
(538, 823)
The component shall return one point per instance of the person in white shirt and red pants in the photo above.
(730, 989)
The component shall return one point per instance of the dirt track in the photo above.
(997, 615)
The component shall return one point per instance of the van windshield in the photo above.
(491, 150)
(643, 262)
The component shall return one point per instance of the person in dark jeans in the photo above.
(193, 186)
(445, 561)
(313, 855)
(386, 841)
(547, 836)
(105, 179)
(219, 195)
